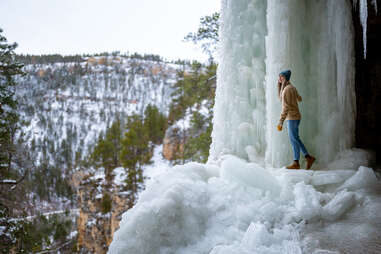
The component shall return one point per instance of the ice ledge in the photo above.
(239, 207)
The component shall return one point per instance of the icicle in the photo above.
(363, 19)
(374, 2)
(354, 4)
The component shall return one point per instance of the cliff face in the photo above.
(101, 206)
(173, 143)
(368, 80)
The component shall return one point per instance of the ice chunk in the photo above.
(338, 205)
(289, 178)
(251, 174)
(257, 235)
(293, 176)
(307, 201)
(364, 178)
(331, 177)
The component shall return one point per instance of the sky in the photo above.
(94, 26)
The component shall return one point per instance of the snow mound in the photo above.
(240, 207)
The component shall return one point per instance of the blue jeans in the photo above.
(296, 143)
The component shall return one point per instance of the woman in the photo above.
(290, 111)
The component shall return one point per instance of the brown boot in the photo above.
(310, 160)
(294, 165)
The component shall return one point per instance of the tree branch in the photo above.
(14, 182)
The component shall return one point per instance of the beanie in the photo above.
(286, 74)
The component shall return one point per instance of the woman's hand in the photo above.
(279, 127)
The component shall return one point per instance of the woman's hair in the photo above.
(280, 88)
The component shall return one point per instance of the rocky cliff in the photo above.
(173, 143)
(101, 206)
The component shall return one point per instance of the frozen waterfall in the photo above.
(241, 202)
(312, 38)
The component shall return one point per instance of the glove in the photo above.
(279, 127)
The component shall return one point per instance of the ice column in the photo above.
(239, 111)
(312, 38)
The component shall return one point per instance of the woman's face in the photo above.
(281, 79)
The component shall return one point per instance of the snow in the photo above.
(2, 230)
(73, 234)
(99, 174)
(183, 123)
(120, 175)
(8, 181)
(159, 163)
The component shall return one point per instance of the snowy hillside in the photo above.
(69, 105)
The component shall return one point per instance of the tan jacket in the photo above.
(289, 98)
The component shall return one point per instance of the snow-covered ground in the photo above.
(159, 164)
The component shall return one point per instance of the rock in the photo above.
(96, 227)
(173, 143)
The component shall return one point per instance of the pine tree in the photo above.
(9, 118)
(135, 153)
(106, 153)
(193, 90)
(155, 123)
(207, 34)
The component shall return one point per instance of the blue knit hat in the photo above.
(286, 74)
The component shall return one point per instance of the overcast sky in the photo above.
(93, 26)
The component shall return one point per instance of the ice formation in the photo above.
(312, 38)
(239, 207)
(241, 201)
(364, 19)
(374, 2)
